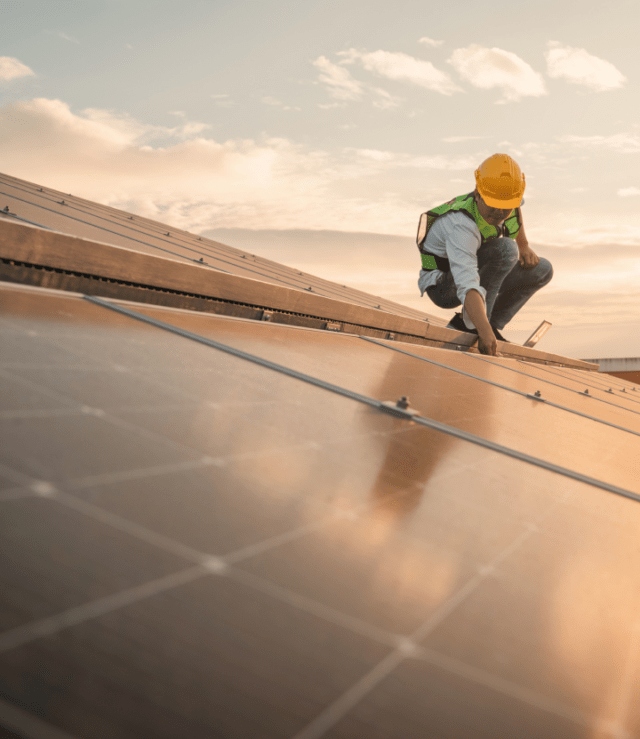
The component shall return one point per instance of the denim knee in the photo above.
(503, 251)
(443, 299)
(545, 271)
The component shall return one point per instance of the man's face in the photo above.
(493, 216)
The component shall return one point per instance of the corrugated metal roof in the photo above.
(217, 526)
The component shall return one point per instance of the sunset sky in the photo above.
(316, 132)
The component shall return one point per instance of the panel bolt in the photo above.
(6, 208)
(586, 391)
(403, 402)
(538, 394)
(201, 259)
(624, 389)
(609, 390)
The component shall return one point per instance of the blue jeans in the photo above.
(508, 285)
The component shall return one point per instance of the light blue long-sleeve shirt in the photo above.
(456, 237)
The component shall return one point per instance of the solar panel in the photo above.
(69, 214)
(197, 542)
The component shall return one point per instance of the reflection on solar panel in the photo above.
(217, 526)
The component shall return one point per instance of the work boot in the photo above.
(457, 323)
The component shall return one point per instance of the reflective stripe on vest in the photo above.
(467, 205)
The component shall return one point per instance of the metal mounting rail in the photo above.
(25, 220)
(396, 410)
(502, 387)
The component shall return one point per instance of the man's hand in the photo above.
(487, 343)
(527, 257)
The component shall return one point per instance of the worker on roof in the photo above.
(475, 254)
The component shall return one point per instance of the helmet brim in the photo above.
(502, 204)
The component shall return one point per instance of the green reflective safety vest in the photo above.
(467, 205)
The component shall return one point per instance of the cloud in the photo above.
(437, 162)
(47, 121)
(222, 101)
(610, 237)
(338, 80)
(623, 143)
(63, 36)
(406, 161)
(11, 69)
(628, 192)
(384, 100)
(376, 155)
(343, 86)
(185, 131)
(430, 42)
(582, 68)
(402, 67)
(458, 139)
(181, 175)
(268, 100)
(488, 68)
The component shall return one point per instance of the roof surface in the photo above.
(216, 526)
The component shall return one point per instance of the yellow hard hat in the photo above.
(500, 181)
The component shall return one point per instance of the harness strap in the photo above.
(433, 261)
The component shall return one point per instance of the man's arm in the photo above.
(474, 305)
(462, 239)
(526, 256)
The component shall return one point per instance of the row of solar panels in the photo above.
(43, 206)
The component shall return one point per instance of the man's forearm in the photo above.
(526, 256)
(521, 239)
(474, 305)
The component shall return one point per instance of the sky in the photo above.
(315, 132)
